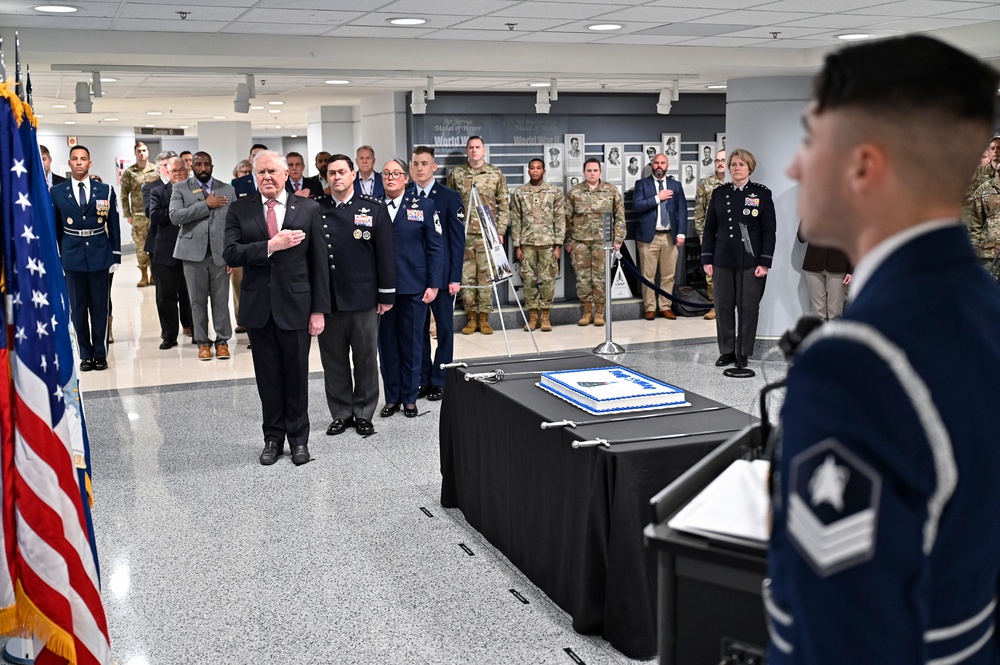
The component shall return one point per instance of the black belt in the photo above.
(663, 231)
(85, 233)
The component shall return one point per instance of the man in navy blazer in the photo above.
(417, 237)
(86, 217)
(298, 183)
(172, 302)
(278, 241)
(451, 214)
(661, 230)
(367, 180)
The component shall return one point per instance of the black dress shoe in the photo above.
(725, 359)
(339, 426)
(741, 361)
(168, 344)
(424, 391)
(364, 427)
(100, 364)
(272, 451)
(300, 454)
(86, 365)
(388, 410)
(410, 412)
(436, 394)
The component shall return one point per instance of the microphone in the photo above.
(792, 339)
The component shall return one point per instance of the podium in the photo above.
(709, 604)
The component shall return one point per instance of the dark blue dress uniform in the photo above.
(244, 186)
(360, 249)
(89, 243)
(451, 212)
(886, 538)
(722, 246)
(418, 239)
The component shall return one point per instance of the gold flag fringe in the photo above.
(57, 640)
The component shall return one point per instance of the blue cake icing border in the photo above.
(621, 409)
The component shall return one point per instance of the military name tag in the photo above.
(197, 191)
(752, 201)
(363, 220)
(414, 215)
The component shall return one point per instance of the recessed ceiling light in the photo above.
(70, 122)
(218, 117)
(111, 120)
(154, 112)
(59, 106)
(277, 126)
(276, 103)
(257, 108)
(337, 82)
(108, 80)
(407, 21)
(56, 9)
(151, 125)
(716, 87)
(274, 110)
(182, 126)
(294, 136)
(604, 26)
(854, 36)
(539, 85)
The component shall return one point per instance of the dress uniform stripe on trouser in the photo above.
(777, 620)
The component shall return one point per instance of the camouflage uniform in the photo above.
(133, 178)
(702, 198)
(983, 174)
(538, 226)
(585, 208)
(984, 231)
(492, 187)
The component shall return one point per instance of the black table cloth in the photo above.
(570, 519)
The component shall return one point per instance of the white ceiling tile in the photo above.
(722, 41)
(559, 37)
(922, 24)
(471, 35)
(718, 5)
(164, 11)
(300, 16)
(754, 17)
(246, 4)
(828, 6)
(499, 23)
(832, 22)
(645, 40)
(380, 31)
(790, 43)
(982, 14)
(462, 8)
(919, 8)
(277, 28)
(83, 23)
(658, 14)
(565, 10)
(166, 25)
(343, 5)
(627, 27)
(382, 18)
(785, 32)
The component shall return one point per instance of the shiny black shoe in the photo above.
(424, 391)
(389, 409)
(364, 427)
(339, 426)
(725, 359)
(272, 451)
(86, 365)
(300, 454)
(168, 344)
(100, 364)
(410, 412)
(436, 394)
(741, 361)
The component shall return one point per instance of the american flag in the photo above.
(52, 578)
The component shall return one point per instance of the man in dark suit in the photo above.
(50, 177)
(297, 182)
(367, 180)
(172, 302)
(417, 238)
(885, 488)
(247, 185)
(451, 213)
(277, 239)
(661, 230)
(86, 217)
(359, 239)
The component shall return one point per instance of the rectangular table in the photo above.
(570, 519)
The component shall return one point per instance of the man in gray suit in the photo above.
(199, 205)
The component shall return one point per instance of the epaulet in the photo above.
(372, 199)
(757, 184)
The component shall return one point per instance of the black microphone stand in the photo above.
(740, 372)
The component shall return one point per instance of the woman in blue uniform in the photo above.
(727, 251)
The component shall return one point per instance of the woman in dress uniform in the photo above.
(725, 254)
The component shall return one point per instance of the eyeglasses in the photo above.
(393, 174)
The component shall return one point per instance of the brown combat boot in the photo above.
(532, 320)
(598, 314)
(585, 319)
(546, 325)
(470, 326)
(484, 324)
(145, 278)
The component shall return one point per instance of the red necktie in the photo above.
(272, 219)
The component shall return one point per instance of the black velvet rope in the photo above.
(669, 296)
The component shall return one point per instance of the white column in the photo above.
(227, 143)
(383, 126)
(332, 129)
(764, 116)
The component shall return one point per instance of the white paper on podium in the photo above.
(734, 506)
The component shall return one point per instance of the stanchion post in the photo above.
(608, 348)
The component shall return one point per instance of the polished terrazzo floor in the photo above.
(208, 557)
